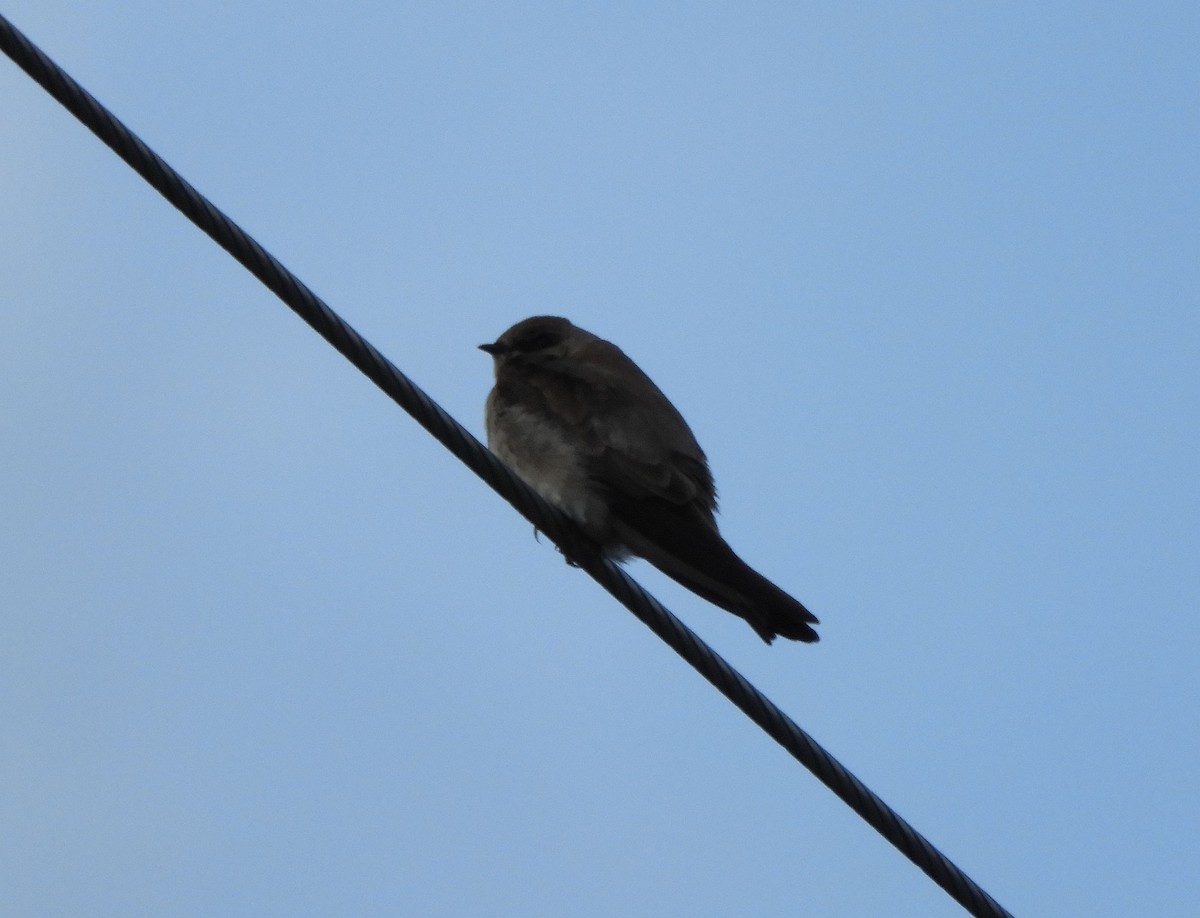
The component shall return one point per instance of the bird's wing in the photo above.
(638, 443)
(674, 478)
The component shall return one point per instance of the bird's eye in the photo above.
(538, 341)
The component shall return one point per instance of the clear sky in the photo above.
(925, 279)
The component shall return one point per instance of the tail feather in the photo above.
(685, 548)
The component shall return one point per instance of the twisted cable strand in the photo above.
(459, 441)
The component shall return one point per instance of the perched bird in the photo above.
(583, 426)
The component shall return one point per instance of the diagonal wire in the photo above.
(463, 445)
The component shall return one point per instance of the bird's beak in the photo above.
(494, 349)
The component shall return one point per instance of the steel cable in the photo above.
(480, 460)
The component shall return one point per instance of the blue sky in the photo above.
(924, 279)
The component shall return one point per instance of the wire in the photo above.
(476, 456)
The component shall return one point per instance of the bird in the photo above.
(580, 423)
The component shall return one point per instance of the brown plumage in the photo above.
(587, 429)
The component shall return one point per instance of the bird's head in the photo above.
(538, 341)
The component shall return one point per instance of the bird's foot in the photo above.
(558, 548)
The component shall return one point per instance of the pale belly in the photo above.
(544, 459)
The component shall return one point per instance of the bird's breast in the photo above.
(547, 457)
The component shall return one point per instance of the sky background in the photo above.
(925, 280)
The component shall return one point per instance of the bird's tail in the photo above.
(698, 558)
